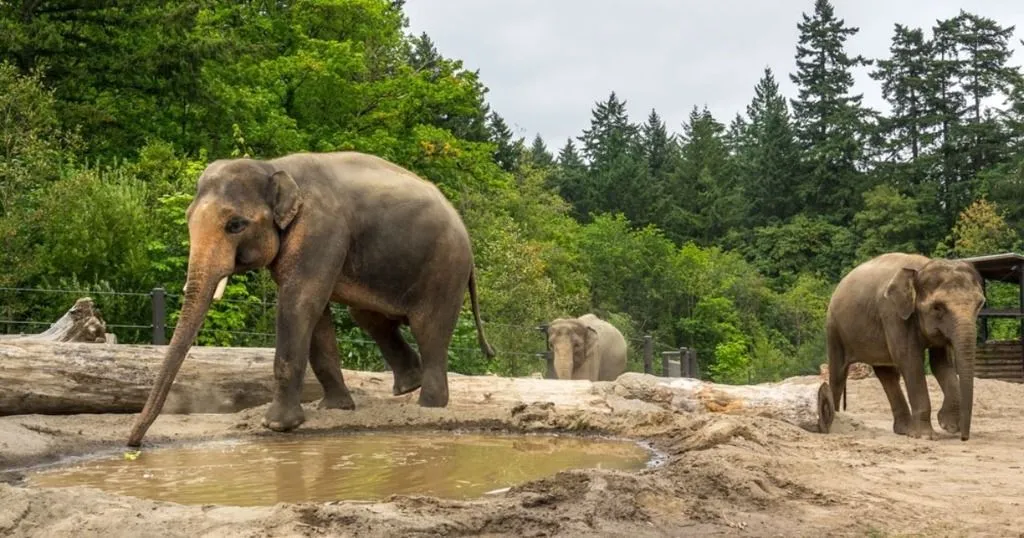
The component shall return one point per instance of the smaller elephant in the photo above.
(587, 347)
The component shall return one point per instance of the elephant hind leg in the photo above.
(326, 365)
(433, 333)
(401, 358)
(889, 376)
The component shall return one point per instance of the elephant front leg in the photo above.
(945, 373)
(298, 311)
(326, 364)
(920, 404)
(889, 377)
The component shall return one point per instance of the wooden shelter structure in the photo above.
(1000, 359)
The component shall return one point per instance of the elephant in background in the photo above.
(886, 312)
(587, 347)
(342, 227)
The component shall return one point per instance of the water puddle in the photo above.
(341, 467)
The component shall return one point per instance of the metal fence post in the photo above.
(549, 357)
(691, 359)
(158, 298)
(648, 354)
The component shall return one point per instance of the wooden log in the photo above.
(83, 322)
(66, 378)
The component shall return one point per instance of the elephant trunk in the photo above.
(964, 347)
(563, 360)
(200, 290)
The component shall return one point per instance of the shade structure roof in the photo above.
(1005, 267)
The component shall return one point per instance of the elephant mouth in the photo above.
(217, 293)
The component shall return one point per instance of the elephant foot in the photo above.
(281, 418)
(407, 381)
(433, 398)
(337, 401)
(949, 420)
(923, 432)
(901, 426)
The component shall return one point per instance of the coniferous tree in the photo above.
(508, 149)
(768, 157)
(539, 154)
(570, 180)
(903, 78)
(829, 118)
(615, 167)
(707, 171)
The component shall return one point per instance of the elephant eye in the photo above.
(938, 307)
(236, 225)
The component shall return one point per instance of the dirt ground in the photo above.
(722, 476)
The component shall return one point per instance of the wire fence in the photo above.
(149, 318)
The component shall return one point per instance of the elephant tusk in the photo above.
(220, 289)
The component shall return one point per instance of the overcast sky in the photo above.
(547, 62)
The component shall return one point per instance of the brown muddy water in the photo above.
(367, 466)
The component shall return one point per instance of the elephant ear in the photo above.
(902, 293)
(283, 197)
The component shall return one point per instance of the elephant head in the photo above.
(572, 343)
(946, 297)
(235, 223)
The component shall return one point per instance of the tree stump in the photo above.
(83, 322)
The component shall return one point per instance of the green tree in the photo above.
(979, 230)
(615, 168)
(539, 155)
(890, 221)
(706, 170)
(507, 149)
(830, 120)
(904, 134)
(767, 156)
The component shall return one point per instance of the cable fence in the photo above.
(151, 318)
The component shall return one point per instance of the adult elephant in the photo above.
(587, 347)
(886, 312)
(344, 227)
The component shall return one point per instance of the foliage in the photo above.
(726, 237)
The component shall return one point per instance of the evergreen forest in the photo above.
(723, 234)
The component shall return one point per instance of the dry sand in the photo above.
(722, 476)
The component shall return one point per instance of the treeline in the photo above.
(726, 236)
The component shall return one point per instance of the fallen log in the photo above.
(67, 378)
(83, 322)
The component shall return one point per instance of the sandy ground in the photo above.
(722, 476)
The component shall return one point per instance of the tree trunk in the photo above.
(83, 322)
(67, 378)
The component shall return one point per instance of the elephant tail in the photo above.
(484, 346)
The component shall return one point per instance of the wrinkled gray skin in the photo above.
(344, 227)
(886, 313)
(587, 347)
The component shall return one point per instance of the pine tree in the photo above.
(611, 147)
(508, 149)
(904, 78)
(828, 117)
(539, 154)
(768, 157)
(706, 180)
(424, 56)
(569, 179)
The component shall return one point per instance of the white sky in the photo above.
(546, 63)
